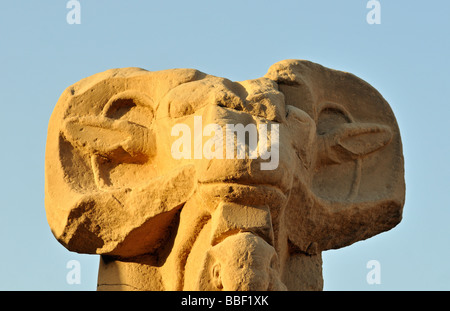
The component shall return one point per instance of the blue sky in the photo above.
(405, 58)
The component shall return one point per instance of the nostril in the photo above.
(274, 262)
(267, 105)
(227, 99)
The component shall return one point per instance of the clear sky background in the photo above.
(406, 58)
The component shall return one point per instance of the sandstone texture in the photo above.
(116, 185)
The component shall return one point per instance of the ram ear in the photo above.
(351, 141)
(357, 188)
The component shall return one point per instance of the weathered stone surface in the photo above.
(119, 183)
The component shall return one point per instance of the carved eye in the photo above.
(330, 118)
(131, 106)
(119, 133)
(119, 107)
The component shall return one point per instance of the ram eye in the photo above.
(131, 106)
(330, 118)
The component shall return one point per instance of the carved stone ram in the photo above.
(114, 188)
